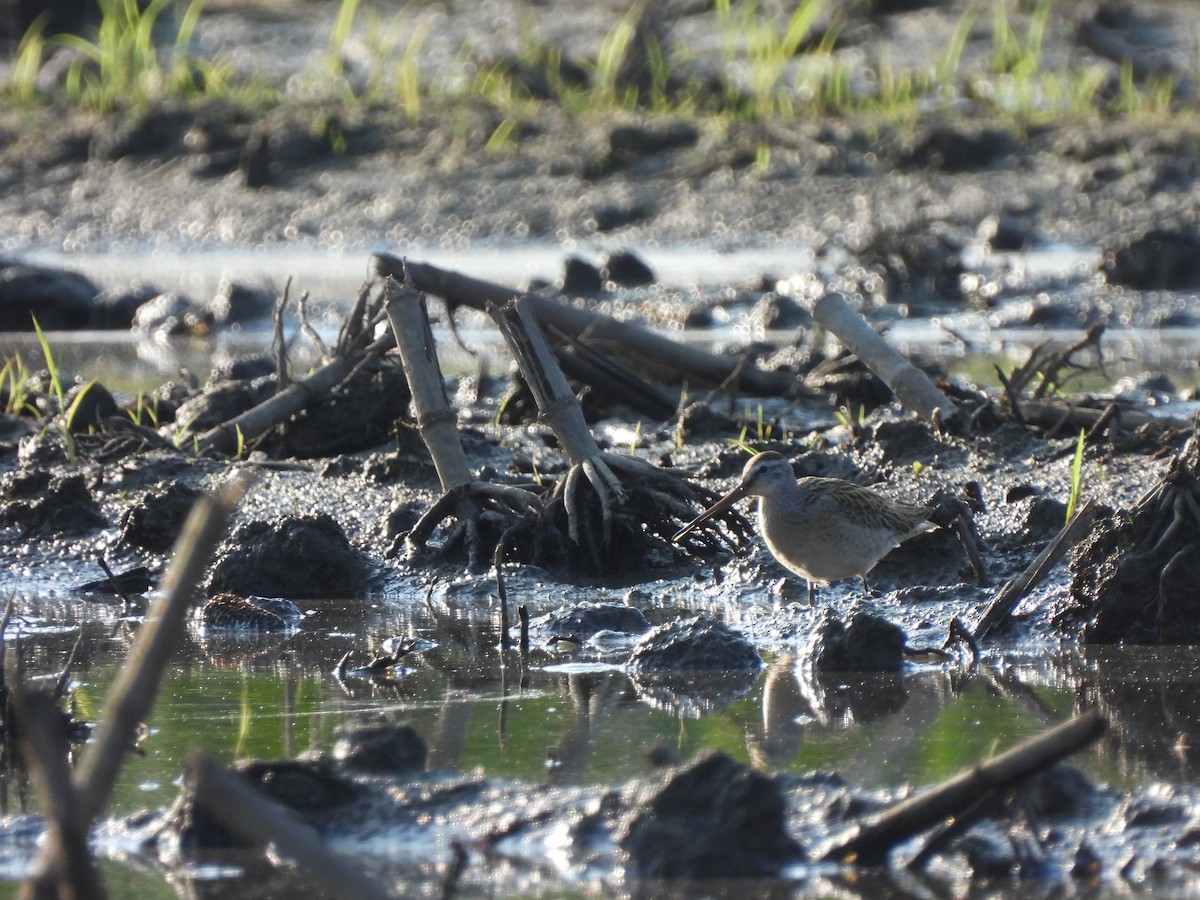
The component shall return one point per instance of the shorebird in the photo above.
(823, 529)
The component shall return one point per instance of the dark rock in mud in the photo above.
(37, 500)
(243, 368)
(296, 557)
(610, 217)
(921, 265)
(693, 645)
(309, 788)
(581, 278)
(961, 148)
(91, 404)
(231, 612)
(714, 819)
(155, 521)
(582, 620)
(867, 642)
(1136, 577)
(383, 749)
(626, 268)
(236, 303)
(359, 416)
(223, 401)
(115, 308)
(1044, 518)
(631, 145)
(61, 300)
(136, 580)
(171, 314)
(157, 131)
(1161, 259)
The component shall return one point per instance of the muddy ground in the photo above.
(880, 210)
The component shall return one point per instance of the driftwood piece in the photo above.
(1058, 416)
(911, 386)
(1000, 611)
(690, 364)
(132, 695)
(257, 820)
(70, 871)
(462, 495)
(870, 844)
(354, 347)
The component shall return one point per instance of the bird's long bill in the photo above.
(719, 507)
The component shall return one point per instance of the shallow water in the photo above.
(575, 717)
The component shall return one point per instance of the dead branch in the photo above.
(640, 344)
(911, 386)
(1000, 611)
(355, 347)
(132, 695)
(258, 821)
(869, 844)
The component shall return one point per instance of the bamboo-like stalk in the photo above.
(436, 420)
(911, 386)
(462, 495)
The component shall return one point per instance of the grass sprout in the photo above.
(1076, 476)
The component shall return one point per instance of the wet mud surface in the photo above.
(683, 719)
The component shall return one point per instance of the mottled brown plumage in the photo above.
(823, 529)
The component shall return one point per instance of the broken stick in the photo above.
(911, 386)
(870, 844)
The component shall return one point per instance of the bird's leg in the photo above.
(812, 594)
(866, 587)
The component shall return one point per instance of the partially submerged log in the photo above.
(603, 494)
(870, 844)
(464, 497)
(643, 346)
(1135, 578)
(911, 386)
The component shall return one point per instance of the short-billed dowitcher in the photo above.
(823, 529)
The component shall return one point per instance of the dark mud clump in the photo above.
(381, 748)
(714, 819)
(1135, 578)
(867, 642)
(582, 620)
(156, 519)
(41, 502)
(693, 645)
(297, 557)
